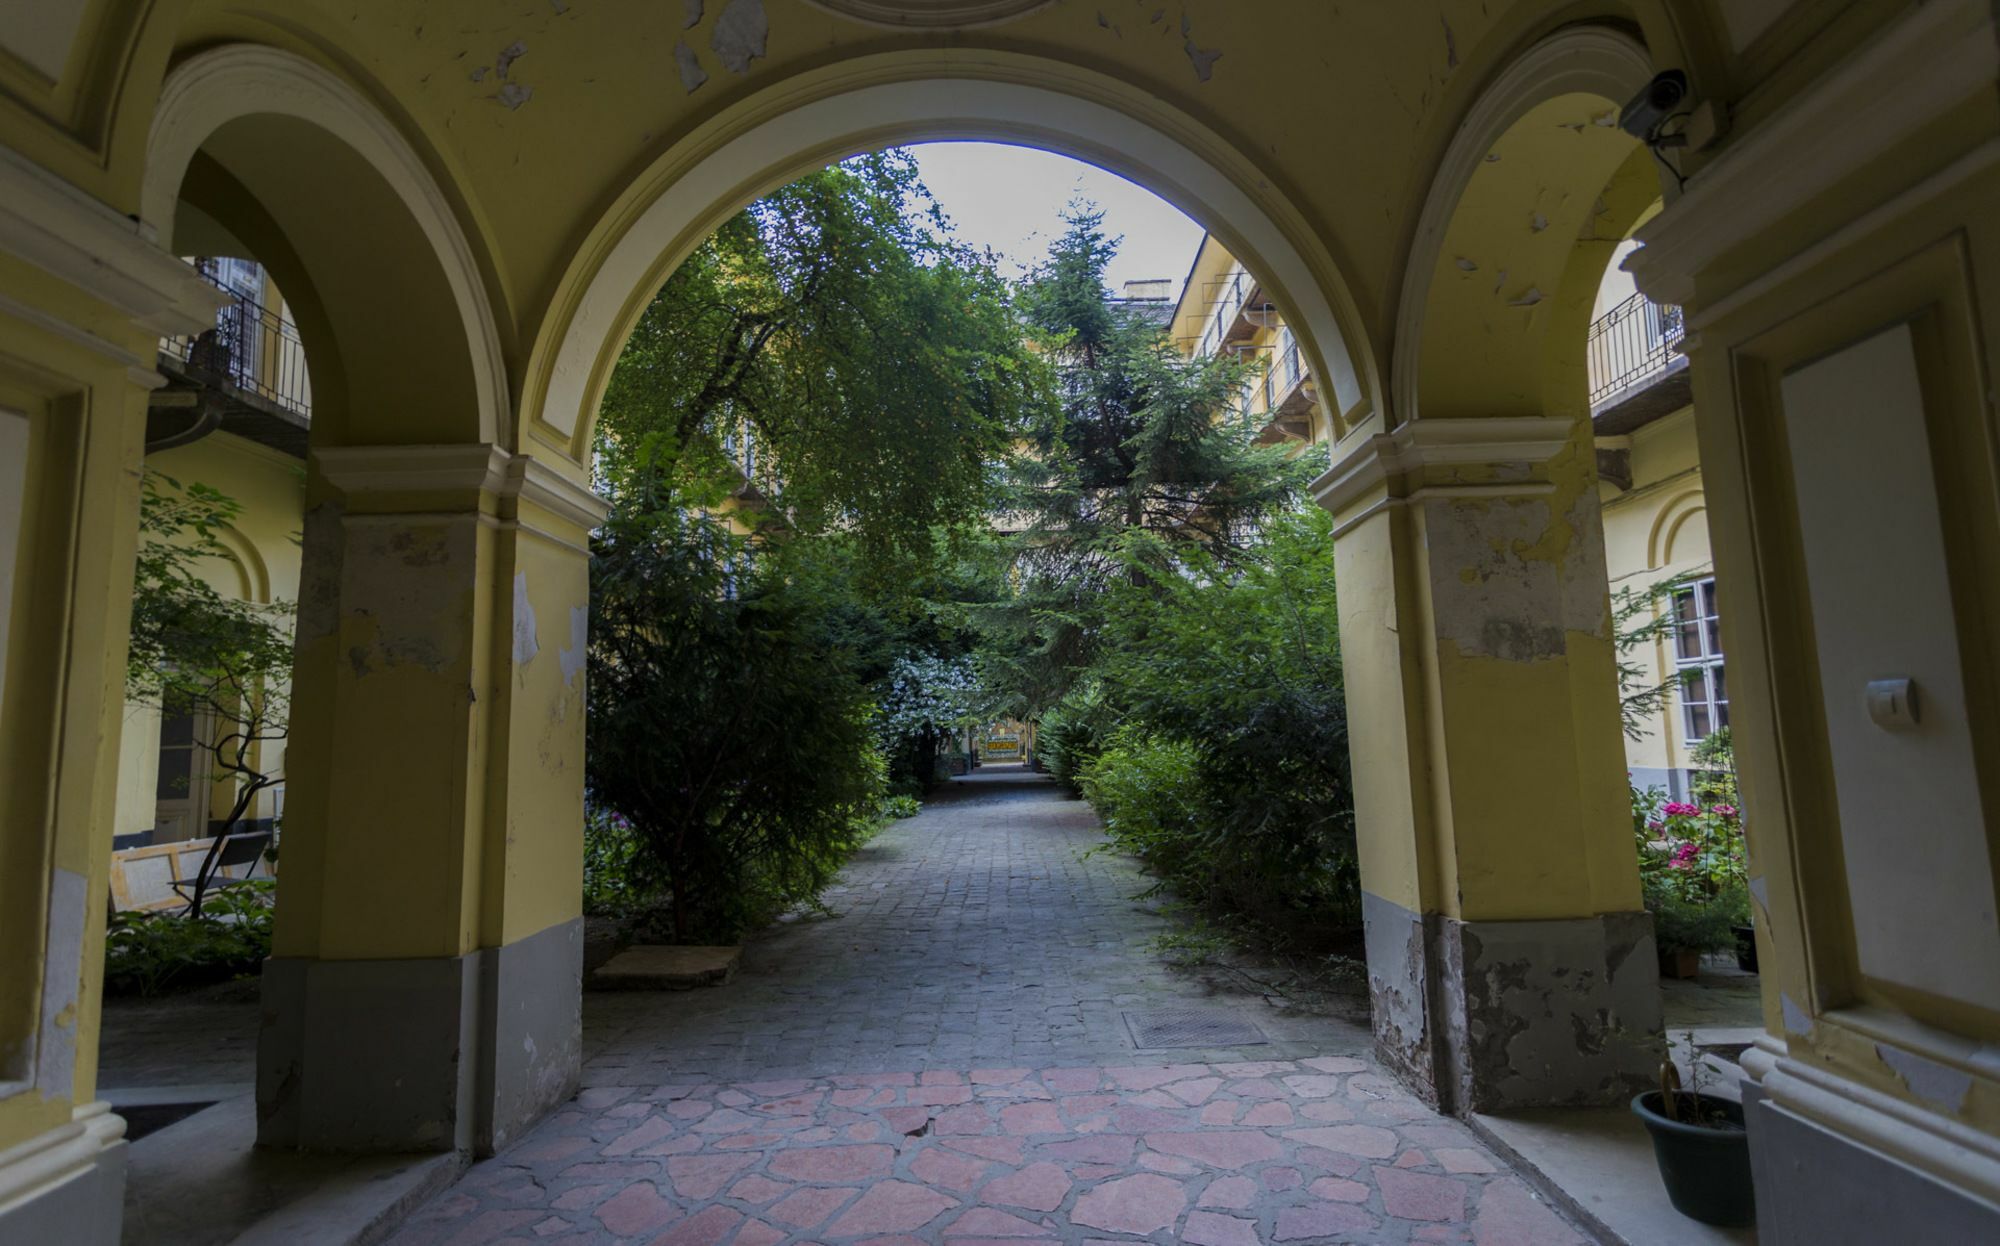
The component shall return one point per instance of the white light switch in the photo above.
(1892, 704)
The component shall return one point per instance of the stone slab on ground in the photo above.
(204, 1180)
(650, 967)
(1598, 1162)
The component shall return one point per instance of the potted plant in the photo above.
(1702, 1148)
(1684, 929)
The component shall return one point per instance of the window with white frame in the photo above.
(1698, 659)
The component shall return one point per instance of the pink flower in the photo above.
(1727, 811)
(1684, 856)
(1679, 809)
(1654, 824)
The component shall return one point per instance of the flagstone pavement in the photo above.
(947, 1063)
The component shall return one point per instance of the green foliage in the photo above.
(901, 807)
(1074, 731)
(154, 953)
(616, 877)
(1693, 858)
(1640, 620)
(1148, 792)
(226, 662)
(1682, 924)
(734, 742)
(1230, 777)
(876, 364)
(1133, 449)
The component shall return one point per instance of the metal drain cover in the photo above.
(1191, 1027)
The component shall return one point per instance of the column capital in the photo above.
(53, 226)
(453, 477)
(1516, 444)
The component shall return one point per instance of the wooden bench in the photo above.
(143, 879)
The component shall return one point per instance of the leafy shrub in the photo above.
(1231, 673)
(1148, 792)
(732, 739)
(1681, 924)
(901, 806)
(615, 866)
(1075, 732)
(1693, 860)
(153, 953)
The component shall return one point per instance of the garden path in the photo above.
(947, 1060)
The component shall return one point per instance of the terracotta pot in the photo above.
(1680, 962)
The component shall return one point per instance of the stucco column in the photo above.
(424, 987)
(86, 301)
(1510, 959)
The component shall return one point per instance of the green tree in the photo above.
(1134, 449)
(732, 741)
(830, 352)
(223, 662)
(1230, 666)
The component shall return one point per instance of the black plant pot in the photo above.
(1706, 1170)
(1746, 948)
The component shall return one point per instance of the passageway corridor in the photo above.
(949, 1060)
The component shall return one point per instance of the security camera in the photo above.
(1649, 108)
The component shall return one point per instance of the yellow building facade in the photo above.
(468, 210)
(1224, 309)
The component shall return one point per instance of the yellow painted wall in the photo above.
(1196, 315)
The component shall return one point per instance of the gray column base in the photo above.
(459, 1053)
(68, 1185)
(1816, 1187)
(1488, 1016)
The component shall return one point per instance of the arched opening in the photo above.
(1226, 308)
(881, 101)
(346, 418)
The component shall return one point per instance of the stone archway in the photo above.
(1509, 957)
(271, 142)
(884, 100)
(427, 547)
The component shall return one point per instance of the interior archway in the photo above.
(888, 100)
(319, 187)
(1537, 188)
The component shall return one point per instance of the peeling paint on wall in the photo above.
(526, 642)
(1797, 1020)
(740, 34)
(62, 975)
(404, 594)
(692, 74)
(1934, 1083)
(572, 657)
(318, 614)
(1203, 60)
(694, 10)
(513, 94)
(508, 55)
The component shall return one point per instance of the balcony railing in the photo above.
(251, 348)
(1631, 344)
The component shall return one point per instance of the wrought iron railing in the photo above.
(1631, 344)
(251, 348)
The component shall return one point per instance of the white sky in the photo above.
(1011, 200)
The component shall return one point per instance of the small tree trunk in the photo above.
(202, 876)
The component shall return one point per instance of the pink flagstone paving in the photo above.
(1191, 1153)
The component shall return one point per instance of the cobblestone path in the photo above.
(983, 931)
(946, 1062)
